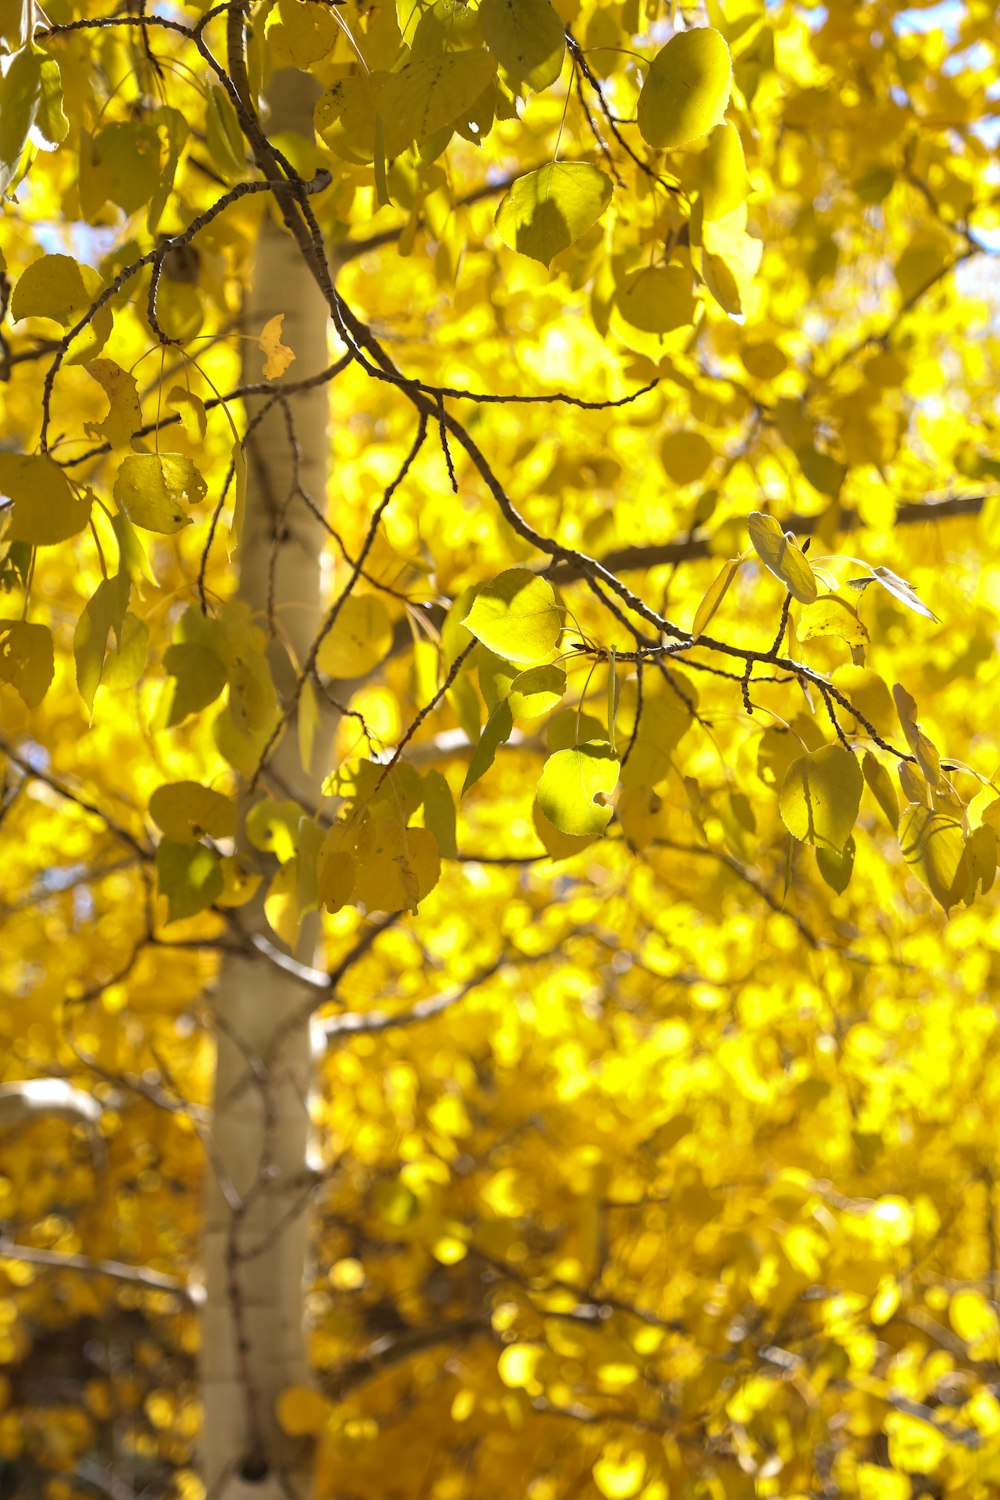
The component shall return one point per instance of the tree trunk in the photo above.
(256, 1202)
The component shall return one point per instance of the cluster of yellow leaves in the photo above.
(695, 1193)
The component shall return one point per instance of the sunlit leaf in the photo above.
(575, 788)
(933, 845)
(153, 488)
(686, 89)
(778, 552)
(548, 210)
(516, 616)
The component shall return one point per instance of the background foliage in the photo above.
(655, 1098)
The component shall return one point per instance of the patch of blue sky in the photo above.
(946, 16)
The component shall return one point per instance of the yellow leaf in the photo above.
(302, 1411)
(278, 355)
(26, 659)
(360, 638)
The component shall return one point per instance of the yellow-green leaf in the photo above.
(26, 659)
(536, 691)
(548, 210)
(686, 89)
(575, 785)
(152, 487)
(45, 509)
(187, 812)
(51, 124)
(778, 552)
(20, 96)
(199, 675)
(274, 827)
(933, 846)
(526, 37)
(833, 614)
(883, 791)
(189, 875)
(516, 615)
(429, 92)
(923, 748)
(658, 299)
(820, 797)
(496, 733)
(103, 614)
(714, 597)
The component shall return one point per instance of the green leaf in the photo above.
(189, 875)
(361, 637)
(570, 784)
(224, 138)
(686, 89)
(20, 96)
(820, 797)
(526, 37)
(548, 210)
(778, 552)
(557, 845)
(51, 124)
(496, 733)
(103, 614)
(26, 659)
(836, 868)
(130, 152)
(151, 487)
(439, 813)
(516, 616)
(932, 844)
(188, 812)
(429, 92)
(199, 676)
(45, 509)
(882, 789)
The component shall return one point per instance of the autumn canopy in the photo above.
(499, 605)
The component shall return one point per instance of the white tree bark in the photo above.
(256, 1199)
